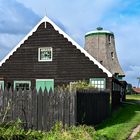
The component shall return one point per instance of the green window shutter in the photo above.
(44, 83)
(49, 85)
(40, 84)
(2, 85)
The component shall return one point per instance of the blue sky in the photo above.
(76, 17)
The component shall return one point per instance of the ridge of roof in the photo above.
(46, 19)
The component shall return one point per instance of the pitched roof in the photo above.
(46, 19)
(137, 90)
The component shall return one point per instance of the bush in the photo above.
(81, 85)
(14, 131)
(70, 133)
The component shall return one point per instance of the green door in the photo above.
(44, 83)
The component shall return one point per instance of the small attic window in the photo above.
(45, 54)
(101, 62)
(112, 55)
(109, 39)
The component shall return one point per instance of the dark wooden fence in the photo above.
(41, 110)
(92, 106)
(118, 94)
(116, 100)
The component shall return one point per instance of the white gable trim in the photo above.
(46, 19)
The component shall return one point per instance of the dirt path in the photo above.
(134, 132)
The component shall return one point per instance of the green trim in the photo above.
(2, 84)
(100, 33)
(27, 82)
(99, 79)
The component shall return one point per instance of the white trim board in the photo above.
(45, 80)
(46, 19)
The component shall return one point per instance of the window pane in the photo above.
(102, 86)
(102, 82)
(45, 54)
(98, 82)
(24, 85)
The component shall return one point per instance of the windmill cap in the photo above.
(99, 30)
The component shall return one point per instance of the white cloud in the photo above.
(15, 21)
(133, 73)
(76, 18)
(15, 18)
(7, 42)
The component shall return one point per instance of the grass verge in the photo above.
(133, 98)
(122, 121)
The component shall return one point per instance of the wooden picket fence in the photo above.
(38, 110)
(41, 110)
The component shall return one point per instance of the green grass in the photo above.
(133, 97)
(121, 123)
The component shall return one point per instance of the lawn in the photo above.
(119, 126)
(133, 97)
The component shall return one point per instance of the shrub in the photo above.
(81, 85)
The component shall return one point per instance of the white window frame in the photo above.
(45, 80)
(39, 49)
(98, 82)
(22, 82)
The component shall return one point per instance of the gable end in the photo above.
(46, 19)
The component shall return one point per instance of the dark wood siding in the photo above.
(68, 64)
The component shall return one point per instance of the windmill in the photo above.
(138, 81)
(101, 45)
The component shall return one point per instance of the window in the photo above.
(109, 39)
(24, 85)
(101, 62)
(45, 54)
(99, 83)
(2, 85)
(112, 55)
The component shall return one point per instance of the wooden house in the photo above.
(47, 57)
